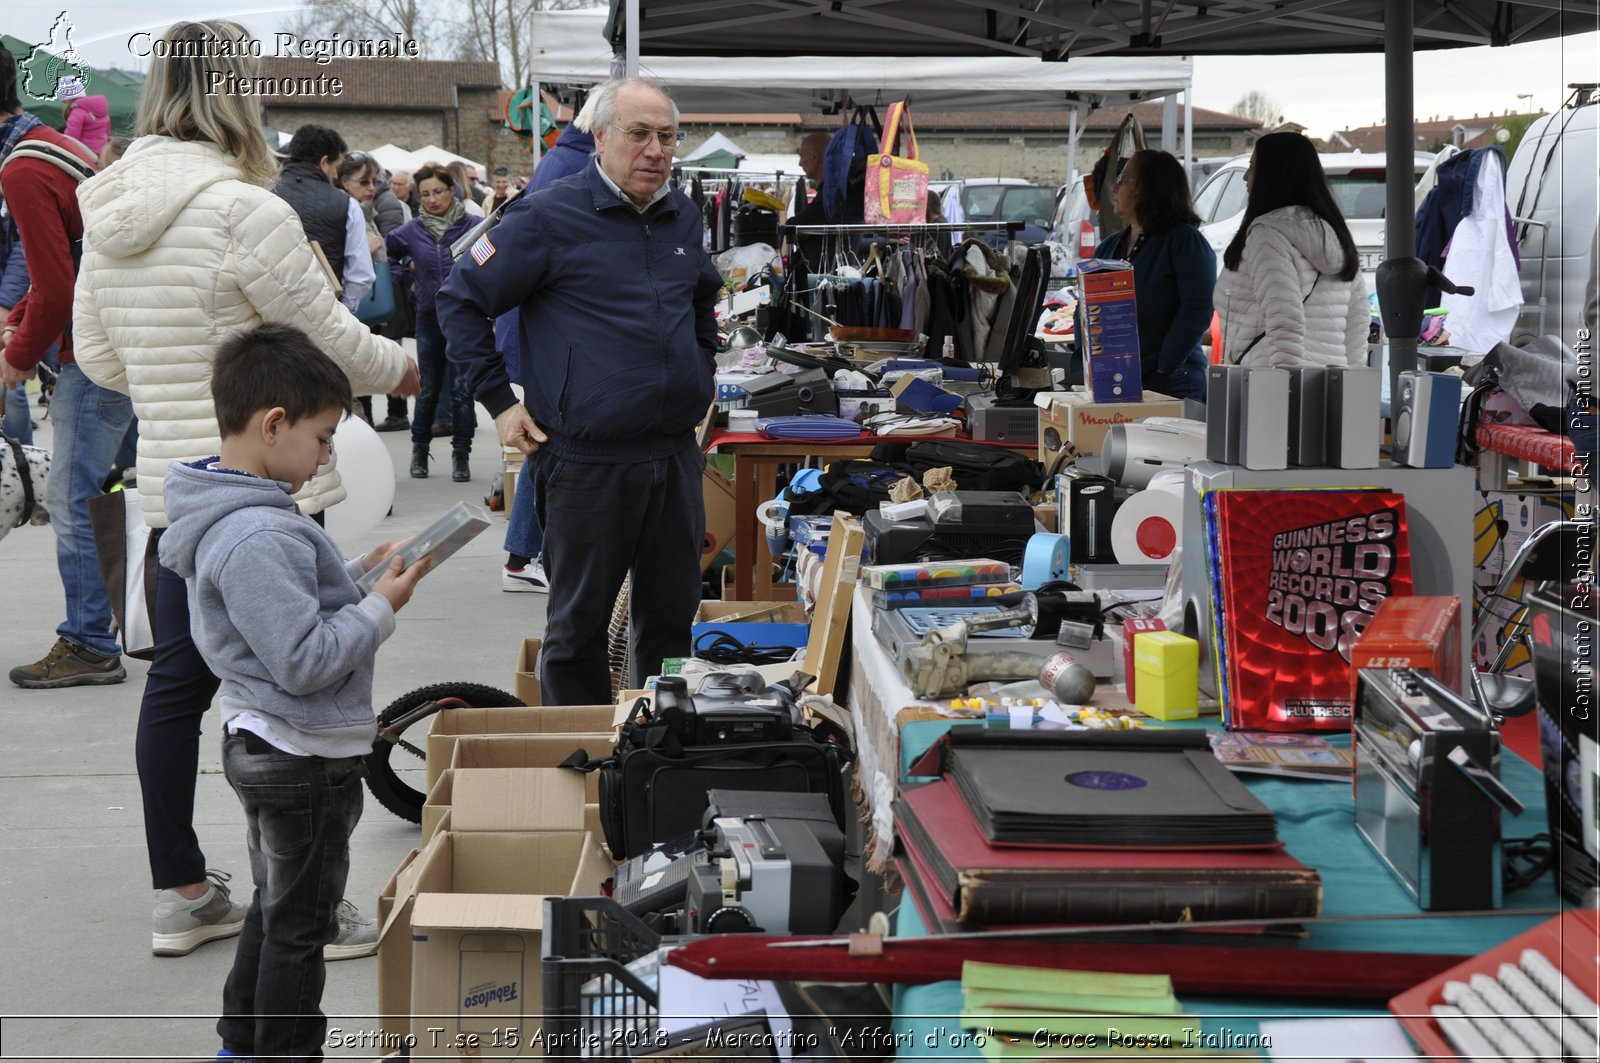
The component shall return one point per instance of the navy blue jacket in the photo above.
(573, 150)
(429, 261)
(13, 266)
(1173, 275)
(618, 325)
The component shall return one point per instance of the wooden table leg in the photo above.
(766, 486)
(744, 527)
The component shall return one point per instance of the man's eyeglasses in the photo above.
(668, 139)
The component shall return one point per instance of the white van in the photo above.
(1553, 192)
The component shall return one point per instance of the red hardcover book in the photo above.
(1302, 573)
(984, 883)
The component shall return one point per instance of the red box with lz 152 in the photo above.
(1412, 631)
(1131, 628)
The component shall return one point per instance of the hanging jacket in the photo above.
(179, 253)
(324, 210)
(1285, 305)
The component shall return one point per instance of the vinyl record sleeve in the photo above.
(1133, 797)
(1301, 573)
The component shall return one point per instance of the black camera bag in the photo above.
(653, 788)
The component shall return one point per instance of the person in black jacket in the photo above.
(309, 184)
(618, 335)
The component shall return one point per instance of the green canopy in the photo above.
(120, 88)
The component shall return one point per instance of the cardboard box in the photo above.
(452, 724)
(444, 796)
(475, 974)
(721, 515)
(511, 472)
(1075, 417)
(1505, 519)
(422, 977)
(1108, 325)
(791, 612)
(530, 751)
(527, 687)
(1130, 628)
(1412, 631)
(1168, 668)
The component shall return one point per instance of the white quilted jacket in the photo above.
(179, 252)
(1285, 251)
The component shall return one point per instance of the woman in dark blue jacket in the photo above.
(1174, 271)
(419, 256)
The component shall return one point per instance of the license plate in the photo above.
(1370, 260)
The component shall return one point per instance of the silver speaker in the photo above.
(1353, 416)
(1427, 413)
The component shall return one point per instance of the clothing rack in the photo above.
(908, 229)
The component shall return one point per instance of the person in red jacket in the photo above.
(39, 174)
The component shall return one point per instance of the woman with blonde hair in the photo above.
(185, 245)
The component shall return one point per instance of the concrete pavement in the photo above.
(77, 979)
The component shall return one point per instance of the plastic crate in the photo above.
(594, 1007)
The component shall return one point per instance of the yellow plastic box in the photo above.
(1167, 669)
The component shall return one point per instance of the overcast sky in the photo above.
(1323, 93)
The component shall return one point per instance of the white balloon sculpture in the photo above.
(368, 478)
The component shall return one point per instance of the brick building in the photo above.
(1026, 144)
(1434, 133)
(405, 102)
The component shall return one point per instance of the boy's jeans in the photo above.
(90, 423)
(300, 812)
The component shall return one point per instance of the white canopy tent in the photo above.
(570, 49)
(716, 142)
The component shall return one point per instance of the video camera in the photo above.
(769, 862)
(730, 708)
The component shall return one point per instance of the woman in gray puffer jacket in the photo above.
(1290, 291)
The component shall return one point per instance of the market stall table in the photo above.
(755, 480)
(1316, 822)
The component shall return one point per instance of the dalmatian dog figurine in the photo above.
(24, 472)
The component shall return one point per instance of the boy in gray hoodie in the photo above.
(279, 618)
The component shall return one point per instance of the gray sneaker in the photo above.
(181, 926)
(357, 937)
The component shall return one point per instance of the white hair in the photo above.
(584, 119)
(602, 103)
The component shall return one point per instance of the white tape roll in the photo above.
(1148, 528)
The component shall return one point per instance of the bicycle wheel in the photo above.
(382, 778)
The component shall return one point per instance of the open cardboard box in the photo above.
(527, 688)
(790, 612)
(451, 725)
(422, 978)
(529, 751)
(511, 799)
(1074, 417)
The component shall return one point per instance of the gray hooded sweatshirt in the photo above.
(275, 609)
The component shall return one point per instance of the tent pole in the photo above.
(633, 40)
(538, 141)
(1072, 144)
(1169, 123)
(1400, 322)
(1188, 138)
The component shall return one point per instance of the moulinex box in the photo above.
(1109, 327)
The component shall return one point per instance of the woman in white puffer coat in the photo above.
(1290, 291)
(185, 245)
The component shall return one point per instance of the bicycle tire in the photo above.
(382, 779)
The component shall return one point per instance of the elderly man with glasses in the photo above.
(618, 331)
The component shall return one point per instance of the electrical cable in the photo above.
(724, 649)
(1524, 859)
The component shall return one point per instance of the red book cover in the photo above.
(979, 882)
(1302, 573)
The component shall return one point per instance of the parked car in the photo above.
(1076, 226)
(1356, 181)
(1010, 199)
(1551, 191)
